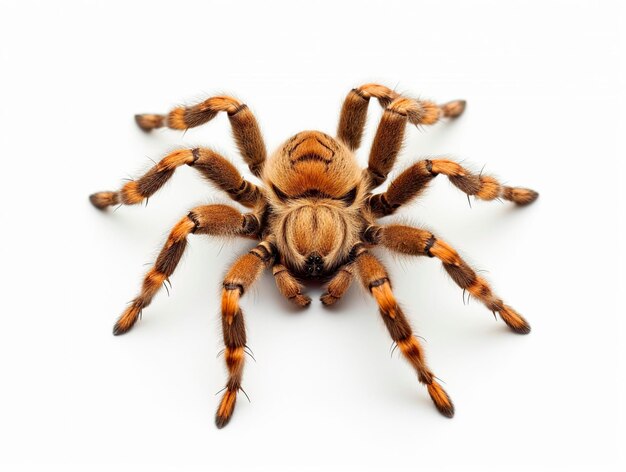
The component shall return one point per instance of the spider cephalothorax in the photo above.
(315, 216)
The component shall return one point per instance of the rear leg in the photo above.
(376, 281)
(418, 242)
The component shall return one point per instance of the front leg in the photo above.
(376, 281)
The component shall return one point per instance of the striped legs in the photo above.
(414, 180)
(211, 219)
(389, 137)
(418, 242)
(211, 165)
(244, 125)
(376, 281)
(239, 278)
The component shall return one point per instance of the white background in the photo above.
(542, 80)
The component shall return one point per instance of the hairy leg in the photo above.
(354, 111)
(376, 281)
(390, 134)
(244, 125)
(418, 242)
(289, 287)
(399, 111)
(338, 285)
(244, 272)
(414, 180)
(211, 165)
(217, 220)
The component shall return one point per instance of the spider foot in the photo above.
(514, 320)
(148, 122)
(101, 200)
(454, 108)
(521, 196)
(226, 408)
(127, 320)
(301, 300)
(441, 399)
(327, 299)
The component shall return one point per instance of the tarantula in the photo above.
(315, 217)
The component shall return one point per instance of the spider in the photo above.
(315, 217)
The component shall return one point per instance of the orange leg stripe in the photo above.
(130, 193)
(227, 404)
(230, 304)
(490, 188)
(405, 106)
(151, 284)
(445, 253)
(234, 358)
(414, 353)
(176, 119)
(446, 167)
(430, 113)
(175, 159)
(181, 230)
(480, 289)
(385, 299)
(222, 103)
(411, 348)
(377, 91)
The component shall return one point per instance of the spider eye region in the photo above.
(314, 264)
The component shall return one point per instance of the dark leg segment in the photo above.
(376, 281)
(418, 242)
(244, 125)
(244, 272)
(218, 220)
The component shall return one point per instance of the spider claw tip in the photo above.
(221, 421)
